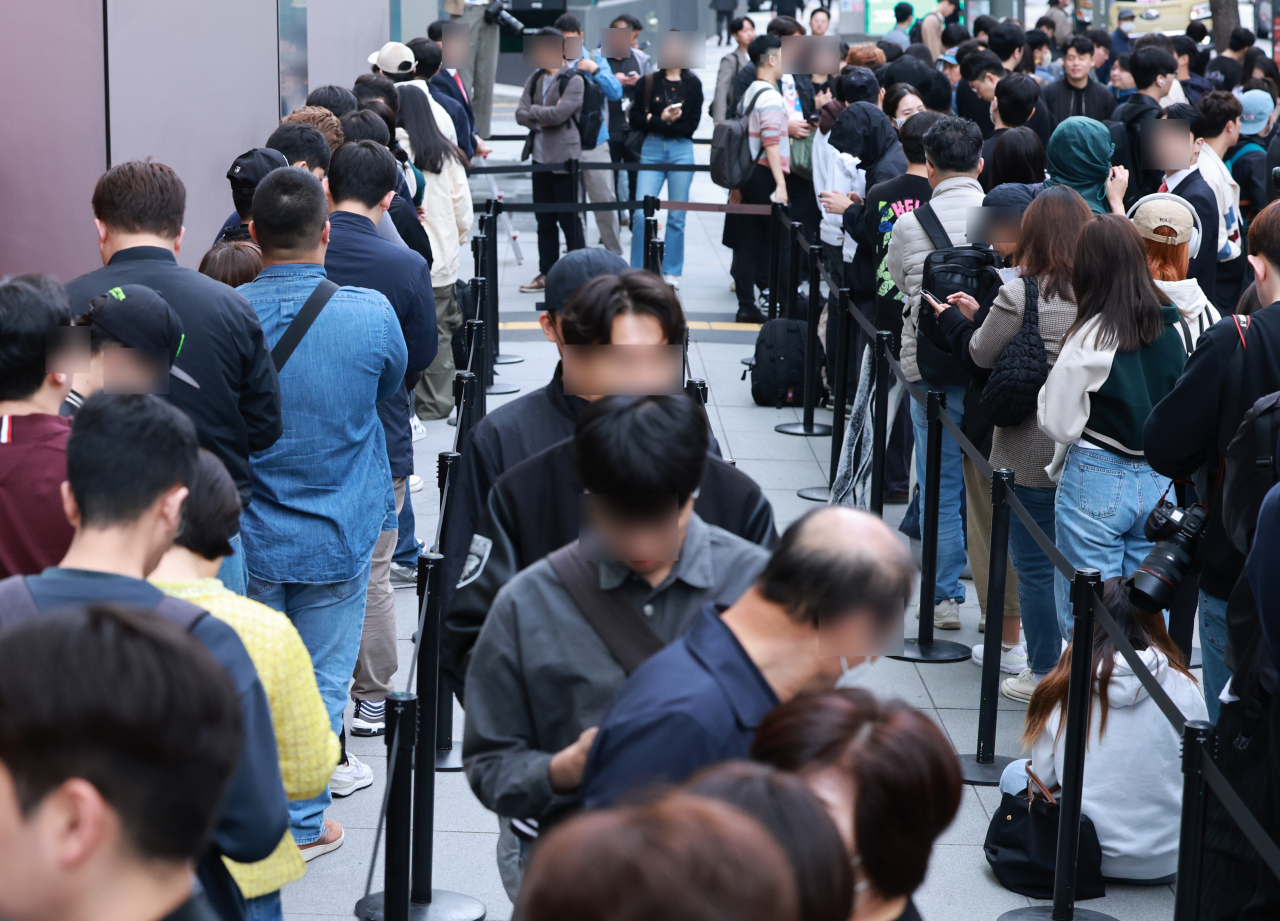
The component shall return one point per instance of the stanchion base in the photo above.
(815, 493)
(1197, 659)
(444, 906)
(940, 651)
(499, 389)
(749, 360)
(983, 775)
(1045, 913)
(797, 428)
(448, 761)
(504, 359)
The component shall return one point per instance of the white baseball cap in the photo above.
(394, 58)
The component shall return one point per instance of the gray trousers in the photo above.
(481, 67)
(512, 854)
(377, 662)
(599, 185)
(435, 388)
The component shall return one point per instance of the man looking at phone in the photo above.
(953, 156)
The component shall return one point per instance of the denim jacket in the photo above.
(322, 492)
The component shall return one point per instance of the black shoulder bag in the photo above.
(302, 322)
(1010, 395)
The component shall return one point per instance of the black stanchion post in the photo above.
(466, 396)
(839, 386)
(392, 904)
(578, 238)
(473, 339)
(812, 371)
(499, 357)
(984, 768)
(879, 419)
(792, 288)
(659, 247)
(1197, 744)
(776, 221)
(924, 648)
(447, 758)
(650, 222)
(487, 307)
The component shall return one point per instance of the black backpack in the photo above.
(950, 269)
(1249, 470)
(915, 35)
(1010, 394)
(731, 160)
(590, 119)
(777, 372)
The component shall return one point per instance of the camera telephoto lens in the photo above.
(1154, 583)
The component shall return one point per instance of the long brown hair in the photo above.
(1167, 262)
(1050, 228)
(1143, 630)
(1111, 281)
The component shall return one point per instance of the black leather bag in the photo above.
(1010, 394)
(1022, 845)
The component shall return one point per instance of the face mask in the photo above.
(848, 674)
(897, 122)
(1126, 27)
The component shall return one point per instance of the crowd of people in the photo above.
(204, 477)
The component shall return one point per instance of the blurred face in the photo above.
(1004, 239)
(638, 361)
(1077, 65)
(615, 41)
(908, 105)
(645, 546)
(1121, 79)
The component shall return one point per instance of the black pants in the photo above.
(723, 18)
(619, 153)
(749, 236)
(555, 187)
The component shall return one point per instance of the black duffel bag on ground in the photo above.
(1022, 845)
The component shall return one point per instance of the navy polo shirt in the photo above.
(695, 703)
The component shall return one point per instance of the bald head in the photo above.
(832, 559)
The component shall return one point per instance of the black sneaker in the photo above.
(750, 315)
(370, 718)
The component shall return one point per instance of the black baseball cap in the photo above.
(860, 85)
(252, 166)
(575, 269)
(139, 317)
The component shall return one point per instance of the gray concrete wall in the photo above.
(54, 143)
(341, 34)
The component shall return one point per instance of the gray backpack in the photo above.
(731, 160)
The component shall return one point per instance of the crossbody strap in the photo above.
(615, 620)
(1031, 311)
(930, 224)
(302, 322)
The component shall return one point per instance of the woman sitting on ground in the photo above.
(1132, 771)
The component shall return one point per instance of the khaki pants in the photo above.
(480, 69)
(435, 388)
(978, 495)
(599, 185)
(377, 662)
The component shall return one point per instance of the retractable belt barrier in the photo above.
(557, 207)
(565, 166)
(524, 137)
(1198, 765)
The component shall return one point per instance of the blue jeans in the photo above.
(265, 908)
(407, 543)
(232, 571)
(659, 149)
(951, 554)
(1103, 502)
(329, 618)
(1014, 778)
(1035, 579)
(1213, 648)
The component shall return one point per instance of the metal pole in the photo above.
(776, 219)
(577, 236)
(1197, 744)
(879, 419)
(925, 648)
(487, 308)
(491, 289)
(657, 252)
(984, 768)
(402, 718)
(812, 379)
(430, 570)
(650, 222)
(1079, 701)
(447, 758)
(840, 386)
(792, 284)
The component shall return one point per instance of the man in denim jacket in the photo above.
(310, 531)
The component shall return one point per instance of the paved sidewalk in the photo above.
(959, 886)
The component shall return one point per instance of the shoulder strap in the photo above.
(182, 613)
(1231, 161)
(754, 99)
(1033, 779)
(1186, 332)
(1230, 407)
(16, 601)
(930, 224)
(302, 322)
(1031, 310)
(617, 622)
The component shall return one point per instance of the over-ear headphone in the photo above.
(1197, 233)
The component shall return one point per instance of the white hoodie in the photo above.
(1133, 774)
(1193, 305)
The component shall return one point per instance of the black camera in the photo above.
(497, 12)
(1176, 532)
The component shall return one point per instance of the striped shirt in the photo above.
(767, 124)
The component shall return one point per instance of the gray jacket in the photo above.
(730, 64)
(540, 674)
(553, 124)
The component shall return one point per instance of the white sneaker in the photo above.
(419, 430)
(350, 777)
(672, 280)
(1020, 688)
(946, 615)
(415, 483)
(1012, 661)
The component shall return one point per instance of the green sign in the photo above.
(880, 16)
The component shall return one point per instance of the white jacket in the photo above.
(1227, 192)
(1133, 773)
(834, 171)
(953, 199)
(1193, 305)
(446, 200)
